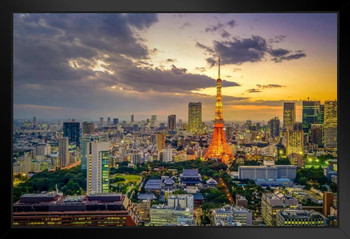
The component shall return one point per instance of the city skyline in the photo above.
(146, 64)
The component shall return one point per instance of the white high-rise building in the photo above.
(167, 155)
(97, 167)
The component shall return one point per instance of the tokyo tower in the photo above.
(219, 148)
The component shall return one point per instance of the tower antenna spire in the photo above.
(219, 69)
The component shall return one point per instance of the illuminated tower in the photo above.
(219, 148)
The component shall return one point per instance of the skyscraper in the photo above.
(101, 121)
(274, 125)
(316, 134)
(88, 128)
(63, 152)
(219, 148)
(72, 131)
(288, 115)
(295, 140)
(195, 117)
(35, 124)
(115, 121)
(171, 122)
(160, 139)
(108, 120)
(320, 119)
(132, 118)
(98, 167)
(153, 121)
(310, 114)
(330, 124)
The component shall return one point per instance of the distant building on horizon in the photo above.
(171, 122)
(88, 128)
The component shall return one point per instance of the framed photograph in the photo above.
(161, 119)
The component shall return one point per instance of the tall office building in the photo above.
(72, 131)
(132, 118)
(295, 140)
(88, 128)
(288, 115)
(310, 114)
(108, 120)
(274, 125)
(320, 119)
(115, 121)
(101, 121)
(98, 167)
(63, 152)
(330, 124)
(84, 152)
(195, 117)
(160, 139)
(316, 134)
(153, 121)
(171, 122)
(35, 123)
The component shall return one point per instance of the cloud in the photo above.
(269, 86)
(183, 26)
(253, 91)
(253, 49)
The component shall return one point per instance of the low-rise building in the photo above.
(302, 218)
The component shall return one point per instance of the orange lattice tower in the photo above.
(219, 148)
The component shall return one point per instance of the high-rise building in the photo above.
(63, 152)
(97, 167)
(35, 124)
(108, 120)
(320, 119)
(101, 121)
(274, 126)
(72, 131)
(310, 114)
(317, 134)
(219, 148)
(115, 121)
(194, 117)
(229, 132)
(153, 121)
(327, 203)
(288, 115)
(171, 122)
(295, 140)
(330, 124)
(160, 141)
(167, 155)
(88, 128)
(132, 118)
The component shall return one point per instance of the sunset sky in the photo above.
(86, 66)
